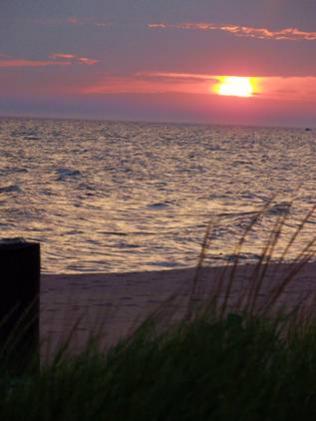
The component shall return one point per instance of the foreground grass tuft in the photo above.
(206, 369)
(215, 364)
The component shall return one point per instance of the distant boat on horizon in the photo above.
(308, 129)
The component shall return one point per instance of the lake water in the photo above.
(113, 196)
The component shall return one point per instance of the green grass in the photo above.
(206, 369)
(244, 364)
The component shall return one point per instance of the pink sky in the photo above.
(106, 63)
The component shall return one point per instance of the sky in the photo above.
(159, 60)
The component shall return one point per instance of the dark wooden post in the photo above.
(19, 303)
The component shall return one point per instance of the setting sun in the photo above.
(235, 86)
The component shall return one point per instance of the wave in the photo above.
(12, 188)
(282, 208)
(159, 205)
(64, 173)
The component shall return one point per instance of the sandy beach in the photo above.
(113, 304)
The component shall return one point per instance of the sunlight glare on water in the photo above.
(114, 197)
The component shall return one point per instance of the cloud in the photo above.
(73, 20)
(30, 63)
(291, 88)
(274, 88)
(56, 59)
(289, 34)
(175, 75)
(73, 58)
(86, 60)
(62, 56)
(151, 83)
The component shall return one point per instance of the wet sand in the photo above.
(113, 304)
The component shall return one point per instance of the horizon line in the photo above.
(150, 121)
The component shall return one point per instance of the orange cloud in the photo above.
(175, 75)
(274, 88)
(136, 84)
(289, 34)
(289, 88)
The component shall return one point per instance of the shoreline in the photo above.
(112, 305)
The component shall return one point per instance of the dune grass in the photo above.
(207, 369)
(244, 361)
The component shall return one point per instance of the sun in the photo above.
(235, 86)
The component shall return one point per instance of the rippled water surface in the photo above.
(112, 196)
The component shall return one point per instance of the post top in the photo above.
(11, 241)
(15, 243)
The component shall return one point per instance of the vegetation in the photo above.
(223, 361)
